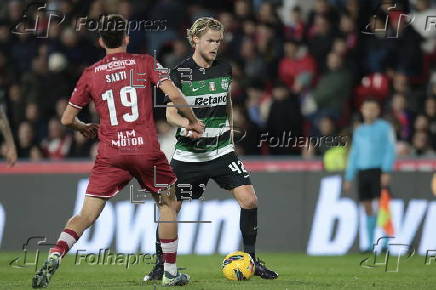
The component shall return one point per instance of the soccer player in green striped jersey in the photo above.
(205, 82)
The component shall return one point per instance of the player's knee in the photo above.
(248, 202)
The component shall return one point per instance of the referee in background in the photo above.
(372, 158)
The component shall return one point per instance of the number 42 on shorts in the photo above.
(238, 167)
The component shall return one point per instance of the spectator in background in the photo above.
(284, 118)
(254, 104)
(58, 144)
(80, 147)
(320, 41)
(268, 15)
(324, 9)
(268, 46)
(408, 53)
(340, 47)
(17, 104)
(246, 134)
(27, 147)
(179, 52)
(58, 74)
(36, 84)
(242, 9)
(297, 69)
(297, 28)
(421, 145)
(347, 29)
(326, 128)
(401, 117)
(430, 113)
(33, 116)
(421, 124)
(376, 48)
(253, 65)
(333, 89)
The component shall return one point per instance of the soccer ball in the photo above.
(238, 266)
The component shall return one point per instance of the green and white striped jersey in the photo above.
(207, 88)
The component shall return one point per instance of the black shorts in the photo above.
(369, 184)
(192, 177)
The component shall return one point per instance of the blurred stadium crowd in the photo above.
(304, 71)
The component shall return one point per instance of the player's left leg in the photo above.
(91, 209)
(246, 197)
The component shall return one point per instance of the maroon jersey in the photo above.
(121, 86)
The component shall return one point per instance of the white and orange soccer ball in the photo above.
(238, 266)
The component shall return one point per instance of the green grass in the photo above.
(297, 271)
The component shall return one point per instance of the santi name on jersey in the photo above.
(211, 100)
(116, 76)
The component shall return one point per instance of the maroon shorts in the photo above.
(111, 172)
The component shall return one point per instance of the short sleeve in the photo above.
(81, 93)
(157, 73)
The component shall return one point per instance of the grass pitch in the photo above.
(297, 271)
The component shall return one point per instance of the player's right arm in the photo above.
(188, 120)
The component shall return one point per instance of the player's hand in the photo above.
(89, 130)
(385, 179)
(11, 155)
(192, 134)
(197, 126)
(347, 186)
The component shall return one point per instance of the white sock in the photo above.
(169, 249)
(170, 268)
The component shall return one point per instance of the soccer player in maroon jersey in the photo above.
(128, 145)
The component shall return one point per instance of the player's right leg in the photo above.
(191, 182)
(158, 269)
(167, 204)
(91, 209)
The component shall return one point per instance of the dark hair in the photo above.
(112, 30)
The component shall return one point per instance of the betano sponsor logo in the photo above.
(211, 100)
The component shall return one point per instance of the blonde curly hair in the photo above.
(201, 26)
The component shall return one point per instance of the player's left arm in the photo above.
(70, 120)
(389, 155)
(11, 151)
